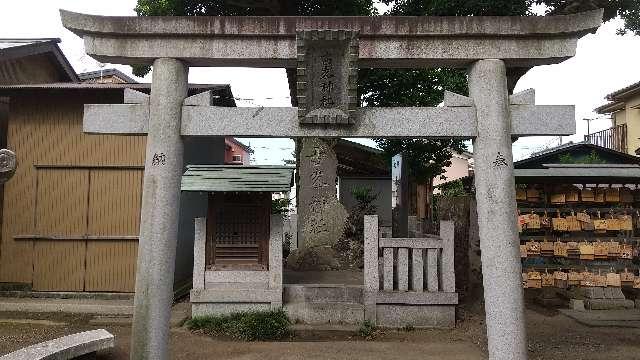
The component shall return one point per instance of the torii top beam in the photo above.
(385, 41)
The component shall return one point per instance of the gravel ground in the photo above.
(551, 336)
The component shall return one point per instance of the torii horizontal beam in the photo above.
(385, 41)
(427, 122)
(456, 119)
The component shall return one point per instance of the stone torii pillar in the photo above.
(160, 212)
(496, 206)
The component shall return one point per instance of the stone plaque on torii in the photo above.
(486, 46)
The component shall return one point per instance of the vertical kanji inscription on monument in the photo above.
(327, 76)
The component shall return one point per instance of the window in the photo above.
(237, 158)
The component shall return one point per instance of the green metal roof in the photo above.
(232, 178)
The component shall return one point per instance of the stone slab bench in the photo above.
(66, 347)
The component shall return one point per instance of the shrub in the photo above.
(246, 326)
(408, 328)
(367, 330)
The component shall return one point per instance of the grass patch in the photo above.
(408, 328)
(246, 326)
(367, 330)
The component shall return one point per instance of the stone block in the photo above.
(576, 304)
(317, 313)
(593, 293)
(608, 304)
(205, 309)
(418, 316)
(403, 269)
(231, 295)
(613, 293)
(66, 347)
(323, 294)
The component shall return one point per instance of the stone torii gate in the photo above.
(486, 46)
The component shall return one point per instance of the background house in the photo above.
(236, 153)
(461, 166)
(71, 212)
(106, 76)
(361, 166)
(624, 108)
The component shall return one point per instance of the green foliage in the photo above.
(627, 10)
(592, 158)
(351, 245)
(365, 196)
(408, 328)
(453, 188)
(253, 7)
(246, 326)
(367, 330)
(286, 246)
(280, 206)
(459, 7)
(426, 159)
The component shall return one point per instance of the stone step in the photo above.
(77, 306)
(65, 295)
(313, 332)
(327, 313)
(323, 294)
(608, 304)
(236, 285)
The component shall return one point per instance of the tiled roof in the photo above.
(230, 178)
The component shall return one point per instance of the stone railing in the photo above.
(614, 138)
(409, 271)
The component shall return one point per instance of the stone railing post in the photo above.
(275, 255)
(371, 281)
(160, 212)
(496, 204)
(199, 249)
(448, 271)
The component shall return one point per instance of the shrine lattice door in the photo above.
(238, 231)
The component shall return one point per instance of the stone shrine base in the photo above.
(417, 316)
(326, 297)
(344, 304)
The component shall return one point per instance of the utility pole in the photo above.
(588, 120)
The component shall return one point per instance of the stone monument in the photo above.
(327, 96)
(321, 217)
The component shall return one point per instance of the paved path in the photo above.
(335, 350)
(602, 318)
(79, 306)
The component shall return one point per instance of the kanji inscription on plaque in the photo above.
(327, 76)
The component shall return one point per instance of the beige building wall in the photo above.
(459, 168)
(632, 119)
(71, 211)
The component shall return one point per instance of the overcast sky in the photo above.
(604, 63)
